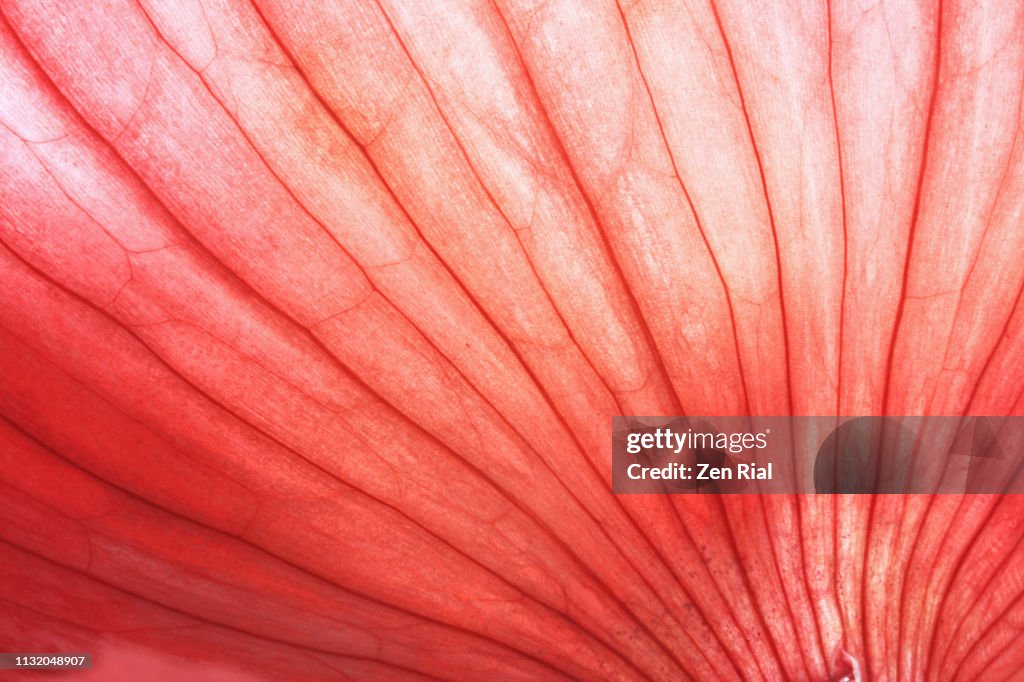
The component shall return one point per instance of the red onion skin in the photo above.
(315, 319)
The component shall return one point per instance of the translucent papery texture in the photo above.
(314, 316)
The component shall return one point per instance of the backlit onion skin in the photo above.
(315, 316)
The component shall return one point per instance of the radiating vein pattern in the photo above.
(315, 315)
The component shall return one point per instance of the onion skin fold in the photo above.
(315, 316)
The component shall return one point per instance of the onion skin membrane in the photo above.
(315, 317)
